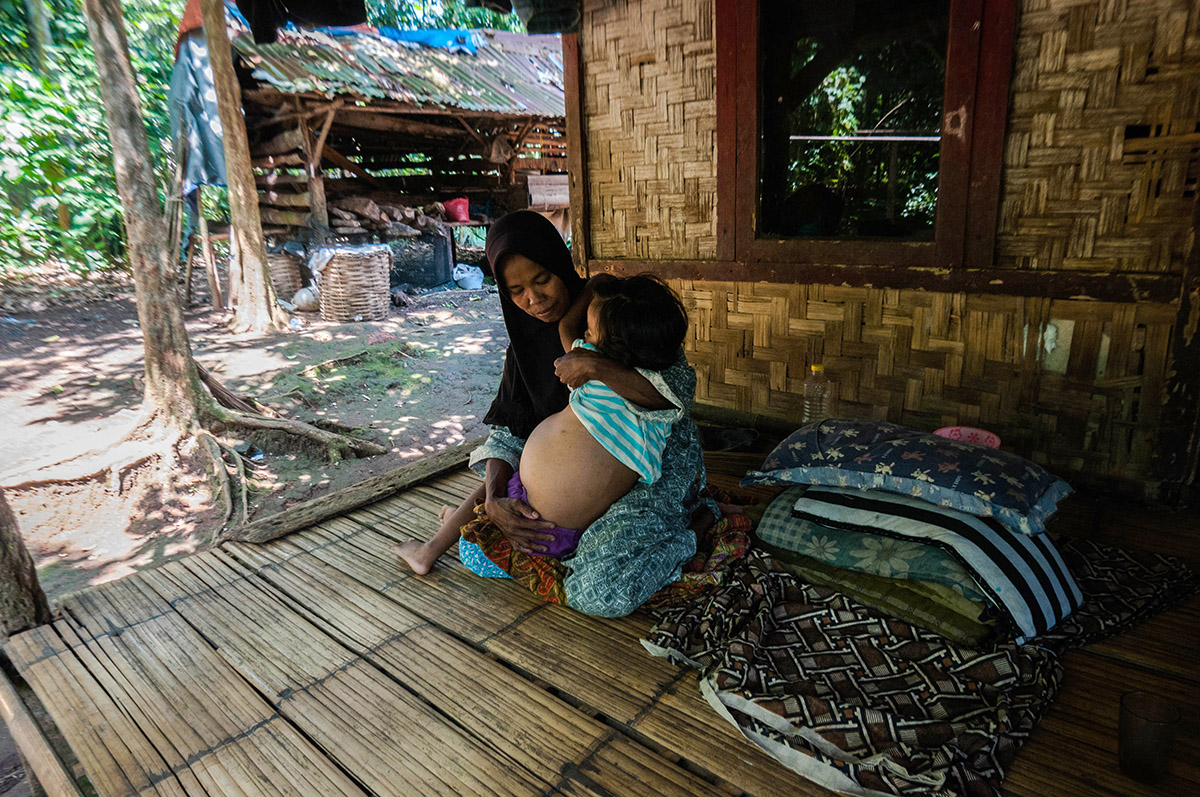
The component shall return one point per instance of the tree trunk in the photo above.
(22, 602)
(38, 25)
(172, 384)
(256, 308)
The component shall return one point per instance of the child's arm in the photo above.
(572, 325)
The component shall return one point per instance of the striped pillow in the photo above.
(1024, 575)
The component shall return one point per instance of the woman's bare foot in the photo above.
(415, 555)
(421, 556)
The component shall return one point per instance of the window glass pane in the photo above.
(851, 114)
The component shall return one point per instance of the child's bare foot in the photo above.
(414, 554)
(421, 556)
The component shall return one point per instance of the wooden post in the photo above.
(188, 258)
(317, 206)
(576, 152)
(256, 308)
(210, 262)
(1176, 463)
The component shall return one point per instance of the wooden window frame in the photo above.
(981, 41)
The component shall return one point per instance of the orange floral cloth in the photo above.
(724, 542)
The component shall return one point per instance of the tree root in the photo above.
(227, 398)
(243, 489)
(338, 446)
(154, 437)
(218, 474)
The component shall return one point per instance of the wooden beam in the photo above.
(727, 117)
(290, 218)
(277, 161)
(376, 121)
(285, 199)
(314, 157)
(287, 141)
(342, 162)
(576, 150)
(474, 133)
(278, 178)
(1085, 285)
(344, 500)
(51, 773)
(999, 21)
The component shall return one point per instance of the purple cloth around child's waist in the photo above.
(565, 540)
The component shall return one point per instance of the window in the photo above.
(871, 138)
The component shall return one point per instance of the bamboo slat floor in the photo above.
(316, 665)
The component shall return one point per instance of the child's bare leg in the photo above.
(421, 556)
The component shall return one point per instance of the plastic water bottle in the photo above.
(817, 399)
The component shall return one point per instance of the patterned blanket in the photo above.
(866, 704)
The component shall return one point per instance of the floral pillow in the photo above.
(875, 455)
(861, 550)
(1022, 575)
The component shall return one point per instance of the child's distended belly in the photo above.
(570, 478)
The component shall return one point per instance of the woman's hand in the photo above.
(520, 523)
(578, 366)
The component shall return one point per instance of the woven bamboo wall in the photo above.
(1102, 159)
(1103, 148)
(923, 359)
(649, 109)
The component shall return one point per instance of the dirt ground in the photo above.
(70, 381)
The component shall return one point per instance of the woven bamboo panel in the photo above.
(1071, 384)
(649, 109)
(1102, 153)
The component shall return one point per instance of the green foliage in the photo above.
(895, 87)
(425, 14)
(58, 198)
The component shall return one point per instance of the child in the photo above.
(578, 462)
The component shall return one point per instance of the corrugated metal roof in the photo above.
(509, 73)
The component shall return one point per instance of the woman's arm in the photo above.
(579, 366)
(520, 523)
(495, 461)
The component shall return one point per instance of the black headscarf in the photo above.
(529, 390)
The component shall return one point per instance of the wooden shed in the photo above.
(381, 114)
(1065, 219)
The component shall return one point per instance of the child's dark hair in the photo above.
(643, 322)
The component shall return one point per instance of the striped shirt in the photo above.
(636, 441)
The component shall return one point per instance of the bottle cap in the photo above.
(818, 368)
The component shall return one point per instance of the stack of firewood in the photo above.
(354, 215)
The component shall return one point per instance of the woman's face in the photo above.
(535, 290)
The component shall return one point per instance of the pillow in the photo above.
(884, 456)
(931, 606)
(861, 550)
(1024, 576)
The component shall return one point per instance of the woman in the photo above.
(641, 542)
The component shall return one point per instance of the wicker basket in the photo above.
(285, 274)
(354, 284)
